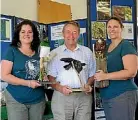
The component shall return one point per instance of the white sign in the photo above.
(82, 30)
(6, 29)
(56, 32)
(128, 32)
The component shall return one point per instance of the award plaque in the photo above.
(99, 51)
(77, 67)
(45, 57)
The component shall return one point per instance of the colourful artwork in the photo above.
(103, 9)
(98, 30)
(122, 12)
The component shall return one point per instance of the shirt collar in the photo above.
(64, 48)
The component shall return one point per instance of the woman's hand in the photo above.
(100, 75)
(33, 83)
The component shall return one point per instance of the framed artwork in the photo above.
(103, 9)
(122, 12)
(98, 30)
(6, 29)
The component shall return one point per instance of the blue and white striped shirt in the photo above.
(69, 77)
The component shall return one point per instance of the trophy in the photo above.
(99, 51)
(77, 67)
(45, 57)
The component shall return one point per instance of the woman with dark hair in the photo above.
(25, 98)
(121, 96)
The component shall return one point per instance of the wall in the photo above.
(78, 8)
(28, 8)
(20, 8)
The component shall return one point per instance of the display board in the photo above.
(6, 32)
(103, 10)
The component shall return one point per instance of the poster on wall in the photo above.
(103, 9)
(43, 32)
(56, 35)
(128, 32)
(56, 32)
(98, 30)
(6, 29)
(122, 12)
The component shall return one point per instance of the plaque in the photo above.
(77, 67)
(45, 57)
(99, 51)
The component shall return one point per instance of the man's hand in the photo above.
(87, 88)
(66, 90)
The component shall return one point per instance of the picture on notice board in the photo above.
(43, 35)
(98, 30)
(128, 32)
(56, 35)
(42, 30)
(6, 29)
(103, 9)
(81, 37)
(122, 12)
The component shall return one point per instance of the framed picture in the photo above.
(98, 30)
(103, 9)
(6, 30)
(122, 12)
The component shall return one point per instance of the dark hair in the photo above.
(74, 23)
(118, 20)
(36, 41)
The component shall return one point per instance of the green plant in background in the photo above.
(45, 42)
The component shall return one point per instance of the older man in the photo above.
(72, 97)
